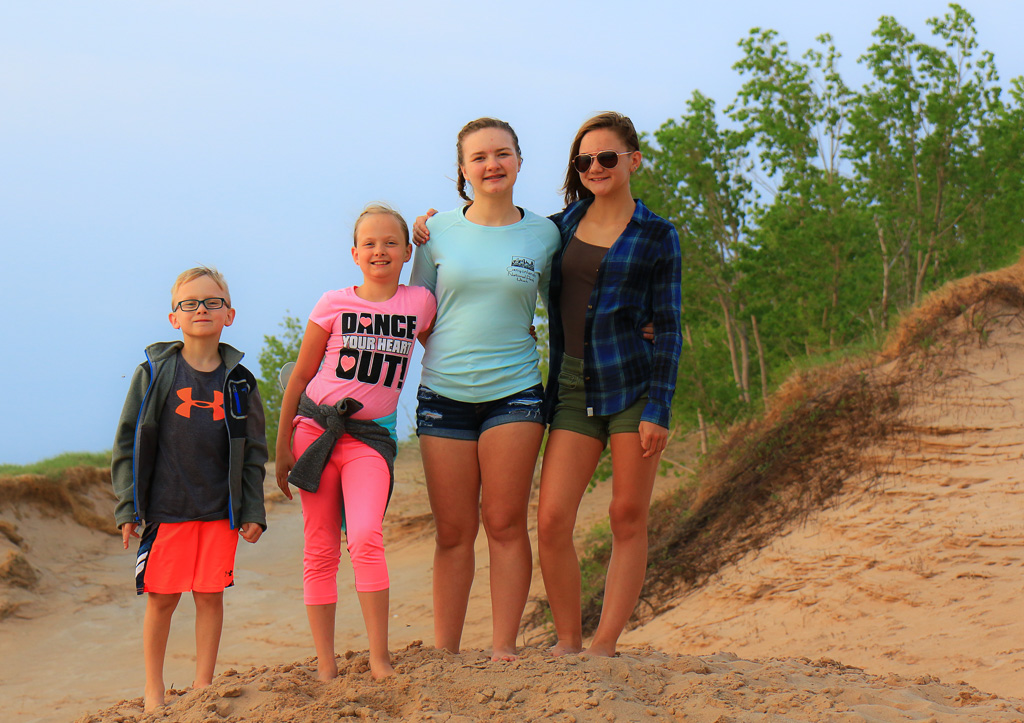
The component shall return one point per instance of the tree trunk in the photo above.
(745, 363)
(885, 276)
(730, 331)
(837, 265)
(760, 359)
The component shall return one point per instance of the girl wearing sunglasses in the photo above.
(479, 414)
(618, 269)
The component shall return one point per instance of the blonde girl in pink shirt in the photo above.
(336, 437)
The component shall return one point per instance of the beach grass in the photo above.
(53, 466)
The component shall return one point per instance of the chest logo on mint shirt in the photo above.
(376, 348)
(523, 269)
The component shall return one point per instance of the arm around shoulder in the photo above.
(424, 271)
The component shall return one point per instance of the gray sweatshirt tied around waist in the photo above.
(336, 419)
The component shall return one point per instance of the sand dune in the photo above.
(77, 645)
(899, 600)
(922, 570)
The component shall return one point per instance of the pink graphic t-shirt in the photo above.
(369, 348)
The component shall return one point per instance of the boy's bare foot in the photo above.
(153, 700)
(506, 655)
(560, 649)
(380, 667)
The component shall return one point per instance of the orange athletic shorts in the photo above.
(177, 557)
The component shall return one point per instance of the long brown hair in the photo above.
(623, 127)
(471, 127)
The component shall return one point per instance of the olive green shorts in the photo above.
(571, 410)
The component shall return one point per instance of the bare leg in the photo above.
(569, 463)
(632, 484)
(375, 615)
(321, 624)
(453, 485)
(508, 457)
(209, 622)
(156, 626)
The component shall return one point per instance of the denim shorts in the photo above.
(439, 416)
(571, 410)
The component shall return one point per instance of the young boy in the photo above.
(188, 461)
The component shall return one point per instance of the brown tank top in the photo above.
(579, 274)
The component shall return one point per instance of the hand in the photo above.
(127, 531)
(251, 531)
(648, 331)
(420, 234)
(653, 438)
(283, 464)
(533, 332)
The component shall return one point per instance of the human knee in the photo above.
(504, 525)
(322, 555)
(627, 519)
(320, 569)
(163, 602)
(364, 544)
(449, 536)
(208, 599)
(554, 526)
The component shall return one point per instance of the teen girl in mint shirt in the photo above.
(482, 350)
(479, 415)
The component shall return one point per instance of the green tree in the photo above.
(916, 145)
(990, 237)
(793, 112)
(275, 354)
(810, 212)
(694, 176)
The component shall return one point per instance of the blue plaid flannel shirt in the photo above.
(638, 282)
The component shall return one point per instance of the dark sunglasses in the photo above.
(606, 159)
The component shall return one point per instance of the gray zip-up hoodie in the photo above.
(138, 433)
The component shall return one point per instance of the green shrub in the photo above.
(53, 466)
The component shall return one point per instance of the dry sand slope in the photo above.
(914, 582)
(921, 571)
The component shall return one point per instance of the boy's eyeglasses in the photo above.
(214, 302)
(607, 159)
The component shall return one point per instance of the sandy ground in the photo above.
(74, 644)
(901, 601)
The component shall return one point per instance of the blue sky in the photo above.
(138, 139)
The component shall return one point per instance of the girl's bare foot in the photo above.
(380, 667)
(562, 648)
(506, 655)
(326, 670)
(597, 650)
(153, 700)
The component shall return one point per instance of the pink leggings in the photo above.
(361, 474)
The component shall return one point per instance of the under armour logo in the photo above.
(185, 408)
